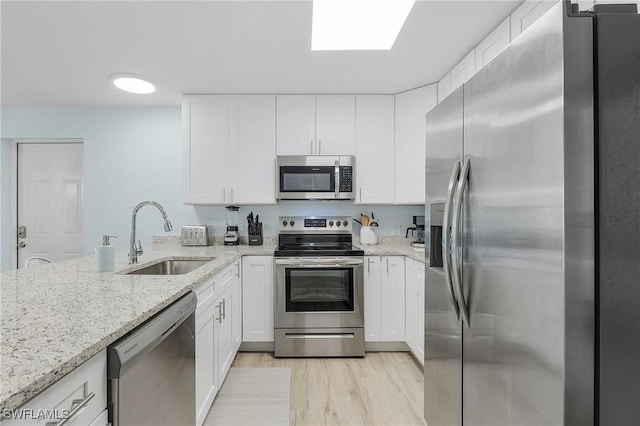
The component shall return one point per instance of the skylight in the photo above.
(357, 24)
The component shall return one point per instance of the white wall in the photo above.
(133, 154)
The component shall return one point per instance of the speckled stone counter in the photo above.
(54, 317)
(393, 246)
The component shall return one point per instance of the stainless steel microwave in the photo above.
(315, 177)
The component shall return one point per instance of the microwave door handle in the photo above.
(337, 179)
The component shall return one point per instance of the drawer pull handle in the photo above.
(76, 406)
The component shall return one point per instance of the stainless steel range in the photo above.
(319, 289)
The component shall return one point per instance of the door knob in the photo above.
(22, 244)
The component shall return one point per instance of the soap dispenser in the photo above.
(106, 254)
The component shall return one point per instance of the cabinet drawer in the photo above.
(224, 279)
(205, 292)
(88, 383)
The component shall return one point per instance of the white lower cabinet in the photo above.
(218, 334)
(415, 308)
(206, 373)
(257, 298)
(228, 324)
(384, 299)
(87, 383)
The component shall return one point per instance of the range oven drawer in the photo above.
(330, 342)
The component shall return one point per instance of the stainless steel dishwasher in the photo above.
(151, 371)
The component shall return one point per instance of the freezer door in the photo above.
(443, 333)
(513, 233)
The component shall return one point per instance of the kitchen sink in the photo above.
(171, 267)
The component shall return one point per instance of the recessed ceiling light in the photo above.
(357, 24)
(132, 83)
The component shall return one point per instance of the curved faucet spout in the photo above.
(134, 250)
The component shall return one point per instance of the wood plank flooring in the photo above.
(384, 388)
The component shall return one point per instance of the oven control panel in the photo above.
(315, 224)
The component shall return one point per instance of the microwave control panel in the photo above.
(346, 179)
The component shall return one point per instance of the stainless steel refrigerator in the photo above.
(532, 297)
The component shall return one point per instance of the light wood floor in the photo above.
(384, 388)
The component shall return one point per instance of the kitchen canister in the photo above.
(368, 236)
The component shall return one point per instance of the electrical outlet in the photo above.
(396, 229)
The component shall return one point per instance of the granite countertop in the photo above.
(54, 317)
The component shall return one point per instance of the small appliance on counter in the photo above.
(417, 231)
(196, 235)
(231, 236)
(254, 230)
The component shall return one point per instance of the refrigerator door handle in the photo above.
(457, 236)
(446, 238)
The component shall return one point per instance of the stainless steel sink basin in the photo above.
(170, 267)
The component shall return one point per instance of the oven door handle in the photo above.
(315, 263)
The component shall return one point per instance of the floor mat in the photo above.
(252, 396)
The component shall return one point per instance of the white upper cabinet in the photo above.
(296, 124)
(493, 44)
(335, 125)
(315, 125)
(229, 149)
(375, 128)
(252, 149)
(205, 136)
(444, 87)
(527, 14)
(464, 70)
(411, 109)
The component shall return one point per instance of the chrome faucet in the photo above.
(134, 250)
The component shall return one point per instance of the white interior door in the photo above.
(50, 200)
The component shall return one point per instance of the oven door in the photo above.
(319, 292)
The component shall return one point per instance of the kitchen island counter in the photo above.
(54, 317)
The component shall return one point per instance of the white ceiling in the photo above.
(63, 53)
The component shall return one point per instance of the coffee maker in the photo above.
(231, 236)
(417, 231)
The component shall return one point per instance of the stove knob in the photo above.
(292, 223)
(338, 223)
(345, 223)
(330, 223)
(284, 223)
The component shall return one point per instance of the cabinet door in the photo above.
(419, 291)
(393, 299)
(464, 70)
(411, 108)
(411, 315)
(257, 298)
(296, 124)
(335, 125)
(528, 13)
(372, 299)
(224, 334)
(252, 149)
(205, 137)
(206, 373)
(493, 44)
(444, 87)
(236, 314)
(375, 150)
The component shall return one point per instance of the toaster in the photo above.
(197, 235)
